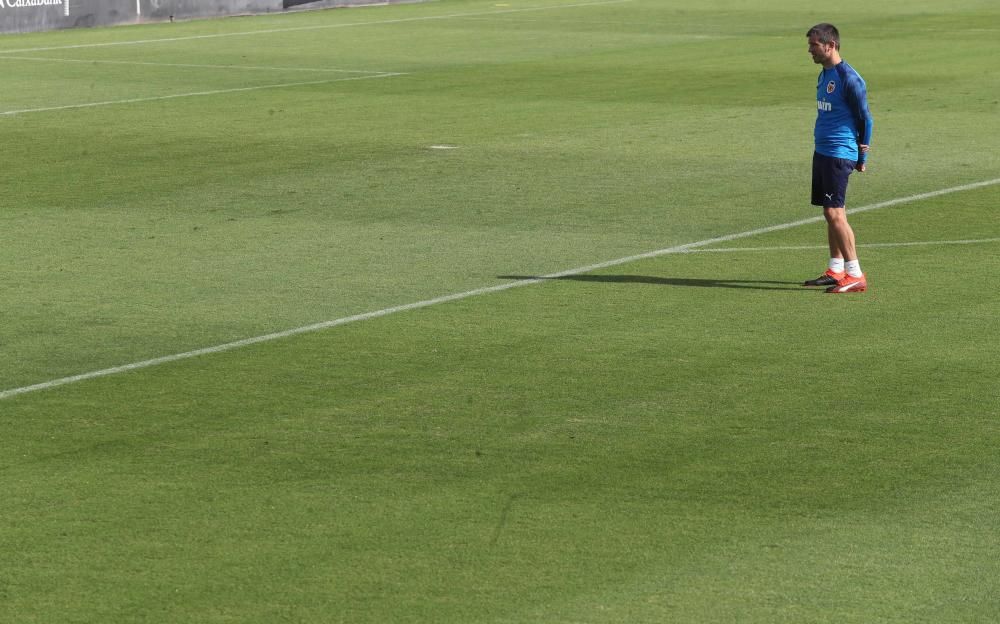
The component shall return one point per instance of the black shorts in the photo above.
(829, 188)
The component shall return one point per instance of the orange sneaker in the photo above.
(848, 284)
(827, 279)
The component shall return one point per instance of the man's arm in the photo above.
(857, 99)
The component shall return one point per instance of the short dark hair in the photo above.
(825, 33)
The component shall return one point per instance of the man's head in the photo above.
(824, 44)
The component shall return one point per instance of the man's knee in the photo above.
(835, 215)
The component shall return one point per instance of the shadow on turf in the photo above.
(669, 281)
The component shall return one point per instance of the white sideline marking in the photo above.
(175, 96)
(191, 65)
(402, 20)
(463, 295)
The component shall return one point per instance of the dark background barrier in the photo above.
(34, 15)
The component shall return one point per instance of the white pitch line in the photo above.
(402, 20)
(175, 96)
(191, 65)
(115, 370)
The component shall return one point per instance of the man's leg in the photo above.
(842, 245)
(840, 235)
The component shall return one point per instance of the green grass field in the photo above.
(689, 436)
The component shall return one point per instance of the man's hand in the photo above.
(864, 150)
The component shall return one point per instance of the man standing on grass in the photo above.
(843, 136)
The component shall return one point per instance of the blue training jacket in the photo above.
(843, 120)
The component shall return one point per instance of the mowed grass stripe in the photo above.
(467, 294)
(930, 243)
(175, 96)
(270, 31)
(645, 451)
(43, 59)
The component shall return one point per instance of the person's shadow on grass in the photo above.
(668, 281)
